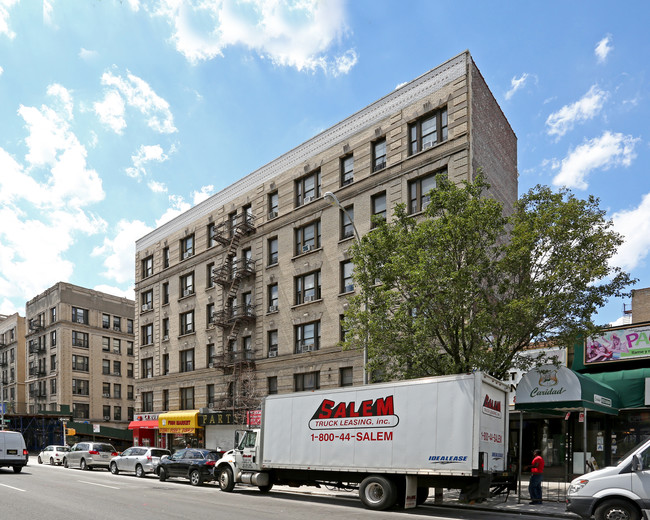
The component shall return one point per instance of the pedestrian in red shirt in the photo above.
(536, 477)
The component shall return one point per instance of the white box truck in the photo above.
(392, 440)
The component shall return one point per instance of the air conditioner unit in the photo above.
(310, 298)
(425, 204)
(273, 353)
(187, 254)
(80, 319)
(349, 288)
(307, 199)
(273, 308)
(210, 365)
(165, 337)
(211, 405)
(107, 417)
(427, 145)
(273, 214)
(116, 351)
(187, 292)
(145, 307)
(106, 395)
(348, 233)
(307, 247)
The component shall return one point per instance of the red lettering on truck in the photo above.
(329, 409)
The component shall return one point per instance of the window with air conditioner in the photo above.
(308, 188)
(187, 322)
(427, 131)
(420, 190)
(307, 337)
(186, 283)
(187, 247)
(379, 155)
(274, 204)
(347, 283)
(308, 237)
(308, 287)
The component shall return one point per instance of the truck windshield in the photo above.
(248, 441)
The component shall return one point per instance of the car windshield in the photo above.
(104, 447)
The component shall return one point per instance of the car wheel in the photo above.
(378, 493)
(51, 461)
(162, 474)
(226, 479)
(139, 471)
(18, 469)
(83, 465)
(616, 510)
(195, 478)
(40, 461)
(113, 468)
(65, 463)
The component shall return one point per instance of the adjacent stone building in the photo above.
(242, 295)
(12, 363)
(80, 354)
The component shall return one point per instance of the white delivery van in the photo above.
(13, 451)
(620, 492)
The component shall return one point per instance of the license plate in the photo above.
(104, 456)
(12, 452)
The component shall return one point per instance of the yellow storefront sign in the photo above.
(178, 422)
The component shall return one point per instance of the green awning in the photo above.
(629, 384)
(550, 387)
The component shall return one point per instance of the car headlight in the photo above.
(576, 486)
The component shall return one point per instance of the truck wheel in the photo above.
(226, 479)
(616, 510)
(18, 469)
(267, 488)
(422, 495)
(377, 492)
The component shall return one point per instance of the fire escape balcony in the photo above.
(226, 274)
(230, 359)
(35, 348)
(241, 313)
(35, 325)
(228, 231)
(36, 371)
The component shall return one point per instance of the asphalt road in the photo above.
(56, 493)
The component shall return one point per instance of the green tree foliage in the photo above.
(463, 287)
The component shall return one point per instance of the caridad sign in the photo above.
(618, 345)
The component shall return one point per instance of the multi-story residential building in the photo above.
(242, 295)
(80, 354)
(12, 363)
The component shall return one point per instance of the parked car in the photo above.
(192, 463)
(138, 459)
(13, 451)
(89, 455)
(53, 454)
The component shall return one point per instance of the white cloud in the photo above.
(1, 71)
(134, 5)
(157, 187)
(47, 12)
(111, 111)
(204, 193)
(138, 94)
(177, 206)
(116, 291)
(560, 122)
(294, 34)
(87, 55)
(5, 6)
(634, 225)
(144, 155)
(120, 251)
(603, 48)
(516, 84)
(602, 152)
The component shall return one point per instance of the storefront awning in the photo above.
(629, 384)
(143, 425)
(178, 422)
(549, 387)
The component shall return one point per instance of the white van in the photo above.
(13, 451)
(621, 491)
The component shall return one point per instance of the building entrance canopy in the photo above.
(178, 422)
(552, 388)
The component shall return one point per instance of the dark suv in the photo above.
(192, 463)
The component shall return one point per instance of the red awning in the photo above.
(143, 425)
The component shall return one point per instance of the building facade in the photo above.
(81, 355)
(12, 364)
(242, 296)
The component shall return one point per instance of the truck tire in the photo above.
(422, 495)
(18, 469)
(226, 479)
(617, 510)
(377, 492)
(267, 488)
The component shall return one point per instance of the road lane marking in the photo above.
(95, 484)
(11, 487)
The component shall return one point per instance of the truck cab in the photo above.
(243, 463)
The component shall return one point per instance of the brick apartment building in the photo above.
(12, 363)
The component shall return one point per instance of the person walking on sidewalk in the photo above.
(536, 477)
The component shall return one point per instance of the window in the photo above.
(80, 363)
(187, 360)
(165, 293)
(247, 346)
(306, 381)
(117, 391)
(210, 353)
(209, 282)
(53, 315)
(129, 370)
(165, 329)
(106, 344)
(117, 324)
(308, 188)
(342, 331)
(165, 255)
(347, 222)
(129, 348)
(106, 367)
(212, 234)
(106, 321)
(273, 251)
(165, 364)
(130, 413)
(147, 367)
(247, 214)
(52, 362)
(379, 155)
(80, 315)
(53, 338)
(419, 193)
(187, 247)
(117, 368)
(272, 343)
(210, 314)
(147, 401)
(345, 376)
(378, 202)
(117, 346)
(80, 387)
(273, 205)
(147, 334)
(347, 170)
(428, 131)
(187, 285)
(106, 390)
(79, 339)
(307, 337)
(129, 392)
(82, 410)
(308, 237)
(308, 287)
(273, 297)
(52, 387)
(187, 398)
(165, 399)
(272, 384)
(147, 267)
(347, 284)
(129, 326)
(117, 413)
(187, 322)
(209, 395)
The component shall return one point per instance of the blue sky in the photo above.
(115, 116)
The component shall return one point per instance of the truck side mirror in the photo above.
(636, 463)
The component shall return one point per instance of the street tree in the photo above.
(464, 287)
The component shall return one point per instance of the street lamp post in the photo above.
(332, 200)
